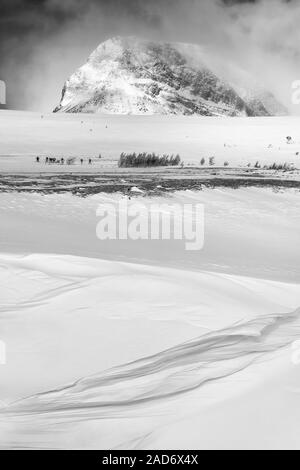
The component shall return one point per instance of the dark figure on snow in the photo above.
(38, 159)
(81, 161)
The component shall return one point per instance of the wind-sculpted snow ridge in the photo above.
(133, 76)
(125, 406)
(167, 374)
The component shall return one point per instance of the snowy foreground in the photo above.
(142, 345)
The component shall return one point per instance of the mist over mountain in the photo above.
(127, 75)
(43, 42)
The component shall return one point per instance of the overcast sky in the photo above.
(42, 42)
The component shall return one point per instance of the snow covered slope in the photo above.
(132, 76)
(148, 346)
(73, 315)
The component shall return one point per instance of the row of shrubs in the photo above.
(276, 166)
(147, 160)
(281, 166)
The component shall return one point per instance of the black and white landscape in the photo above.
(130, 344)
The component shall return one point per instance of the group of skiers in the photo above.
(62, 161)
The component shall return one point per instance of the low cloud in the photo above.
(43, 42)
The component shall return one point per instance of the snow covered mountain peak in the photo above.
(127, 75)
(112, 49)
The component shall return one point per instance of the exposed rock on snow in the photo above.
(132, 76)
